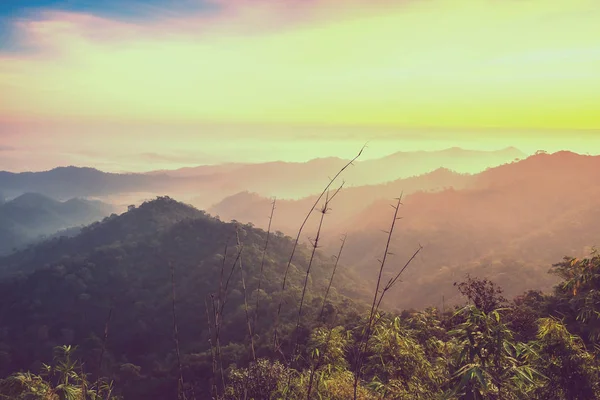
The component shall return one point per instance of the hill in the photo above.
(67, 182)
(63, 290)
(31, 216)
(509, 223)
(133, 310)
(251, 207)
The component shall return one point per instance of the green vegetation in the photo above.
(156, 303)
(488, 349)
(63, 380)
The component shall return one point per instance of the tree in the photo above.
(578, 295)
(488, 363)
(571, 370)
(483, 293)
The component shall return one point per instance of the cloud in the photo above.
(7, 148)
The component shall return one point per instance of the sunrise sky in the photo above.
(140, 85)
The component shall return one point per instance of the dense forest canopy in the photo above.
(104, 307)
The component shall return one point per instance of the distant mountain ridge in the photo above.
(209, 184)
(508, 224)
(508, 153)
(250, 207)
(31, 215)
(67, 182)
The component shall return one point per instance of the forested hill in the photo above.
(147, 220)
(27, 217)
(64, 290)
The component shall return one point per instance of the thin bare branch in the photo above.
(262, 264)
(365, 336)
(289, 263)
(337, 259)
(237, 236)
(180, 387)
(214, 391)
(312, 256)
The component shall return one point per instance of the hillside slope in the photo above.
(25, 218)
(63, 291)
(509, 224)
(251, 207)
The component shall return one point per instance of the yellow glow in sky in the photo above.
(290, 80)
(440, 63)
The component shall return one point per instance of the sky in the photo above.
(141, 85)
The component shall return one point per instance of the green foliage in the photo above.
(328, 347)
(573, 372)
(65, 380)
(262, 379)
(399, 363)
(483, 293)
(108, 292)
(578, 295)
(488, 364)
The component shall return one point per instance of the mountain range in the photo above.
(122, 274)
(206, 185)
(507, 223)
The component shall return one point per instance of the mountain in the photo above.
(63, 291)
(31, 215)
(122, 189)
(294, 180)
(251, 207)
(134, 225)
(78, 182)
(509, 224)
(206, 185)
(405, 164)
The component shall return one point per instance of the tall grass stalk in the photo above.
(217, 315)
(180, 388)
(248, 323)
(337, 259)
(317, 365)
(219, 306)
(324, 210)
(214, 392)
(262, 264)
(363, 344)
(289, 263)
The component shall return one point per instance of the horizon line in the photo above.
(166, 171)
